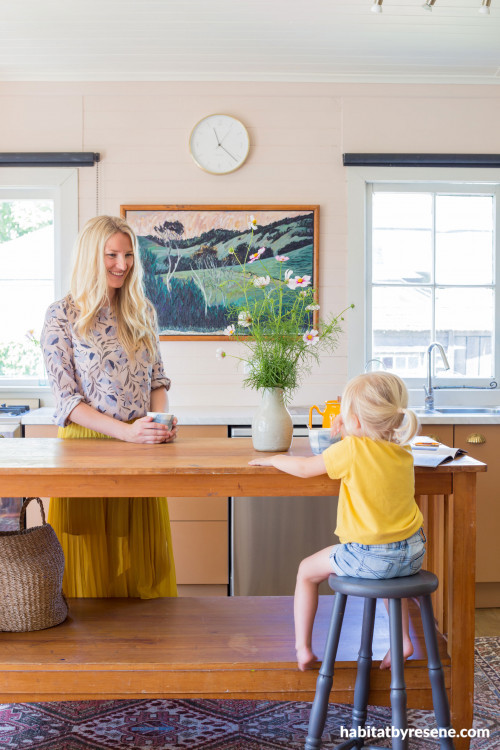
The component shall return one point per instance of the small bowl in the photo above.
(162, 418)
(320, 439)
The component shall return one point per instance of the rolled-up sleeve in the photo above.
(57, 348)
(158, 377)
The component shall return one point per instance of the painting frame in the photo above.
(141, 216)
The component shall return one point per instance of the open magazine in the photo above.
(427, 452)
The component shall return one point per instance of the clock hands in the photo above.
(227, 152)
(219, 144)
(226, 134)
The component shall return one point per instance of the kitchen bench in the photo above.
(234, 647)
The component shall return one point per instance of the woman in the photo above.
(102, 356)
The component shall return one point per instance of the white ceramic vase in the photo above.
(272, 426)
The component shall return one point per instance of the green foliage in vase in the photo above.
(276, 319)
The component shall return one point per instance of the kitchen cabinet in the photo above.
(488, 508)
(199, 527)
(200, 533)
(488, 504)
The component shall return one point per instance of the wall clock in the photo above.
(219, 144)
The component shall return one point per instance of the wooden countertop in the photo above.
(92, 468)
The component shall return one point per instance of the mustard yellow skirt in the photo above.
(113, 546)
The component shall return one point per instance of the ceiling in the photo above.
(249, 40)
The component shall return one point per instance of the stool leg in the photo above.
(325, 678)
(436, 674)
(362, 686)
(398, 687)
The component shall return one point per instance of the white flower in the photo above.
(312, 307)
(303, 293)
(311, 337)
(229, 330)
(252, 222)
(261, 281)
(244, 319)
(288, 273)
(281, 258)
(220, 353)
(299, 281)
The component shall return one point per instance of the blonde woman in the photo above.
(378, 520)
(102, 356)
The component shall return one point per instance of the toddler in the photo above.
(378, 521)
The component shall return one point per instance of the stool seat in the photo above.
(405, 587)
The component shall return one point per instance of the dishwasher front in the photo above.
(271, 535)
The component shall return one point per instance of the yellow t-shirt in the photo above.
(377, 494)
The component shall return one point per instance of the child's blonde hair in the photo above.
(380, 401)
(135, 314)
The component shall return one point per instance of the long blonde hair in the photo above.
(135, 315)
(380, 402)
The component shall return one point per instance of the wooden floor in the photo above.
(487, 622)
(241, 647)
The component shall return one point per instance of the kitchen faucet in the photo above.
(429, 391)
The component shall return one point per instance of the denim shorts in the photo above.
(379, 560)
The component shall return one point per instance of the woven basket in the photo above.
(31, 573)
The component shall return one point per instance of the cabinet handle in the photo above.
(476, 438)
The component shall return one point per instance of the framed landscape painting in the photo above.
(192, 256)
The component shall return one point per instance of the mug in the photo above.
(162, 418)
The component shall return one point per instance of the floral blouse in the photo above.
(100, 374)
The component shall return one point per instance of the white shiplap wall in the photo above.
(298, 134)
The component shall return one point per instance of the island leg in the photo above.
(461, 602)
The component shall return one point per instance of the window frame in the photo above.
(61, 186)
(361, 182)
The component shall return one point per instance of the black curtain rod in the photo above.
(421, 160)
(58, 159)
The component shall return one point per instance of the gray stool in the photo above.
(420, 585)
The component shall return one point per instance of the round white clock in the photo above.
(219, 144)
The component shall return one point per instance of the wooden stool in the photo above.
(420, 585)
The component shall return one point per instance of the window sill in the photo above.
(16, 390)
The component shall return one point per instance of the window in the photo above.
(429, 266)
(26, 283)
(38, 224)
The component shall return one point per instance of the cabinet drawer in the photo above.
(203, 430)
(488, 507)
(40, 430)
(197, 508)
(443, 432)
(200, 551)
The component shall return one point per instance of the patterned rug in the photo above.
(232, 725)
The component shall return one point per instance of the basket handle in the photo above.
(22, 517)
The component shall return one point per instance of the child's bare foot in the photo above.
(407, 651)
(305, 658)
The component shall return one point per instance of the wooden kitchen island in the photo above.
(235, 647)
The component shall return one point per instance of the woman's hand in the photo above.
(173, 432)
(144, 430)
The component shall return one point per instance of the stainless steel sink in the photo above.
(492, 410)
(469, 410)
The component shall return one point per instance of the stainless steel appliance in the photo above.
(271, 535)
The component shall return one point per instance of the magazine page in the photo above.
(428, 452)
